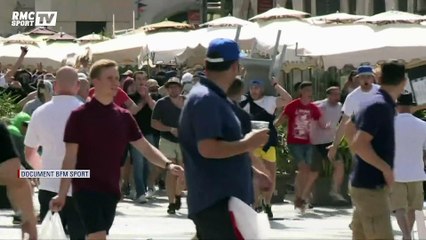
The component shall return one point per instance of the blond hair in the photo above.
(98, 66)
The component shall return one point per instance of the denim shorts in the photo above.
(301, 153)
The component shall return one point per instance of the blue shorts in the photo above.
(301, 153)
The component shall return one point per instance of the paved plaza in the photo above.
(151, 221)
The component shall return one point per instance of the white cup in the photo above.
(259, 124)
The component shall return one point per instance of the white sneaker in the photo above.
(150, 193)
(141, 199)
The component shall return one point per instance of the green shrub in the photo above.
(286, 164)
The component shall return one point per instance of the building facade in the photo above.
(359, 7)
(322, 7)
(81, 17)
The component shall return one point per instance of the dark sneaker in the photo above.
(125, 189)
(16, 219)
(268, 211)
(161, 185)
(171, 209)
(178, 202)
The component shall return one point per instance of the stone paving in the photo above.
(151, 221)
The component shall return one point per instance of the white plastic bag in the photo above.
(250, 224)
(51, 227)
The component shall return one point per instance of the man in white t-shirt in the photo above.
(321, 138)
(410, 142)
(366, 90)
(46, 130)
(262, 108)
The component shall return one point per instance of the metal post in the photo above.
(203, 11)
(237, 35)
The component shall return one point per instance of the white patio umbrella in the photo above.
(204, 36)
(392, 17)
(166, 24)
(293, 31)
(164, 46)
(279, 13)
(10, 52)
(386, 43)
(124, 49)
(334, 39)
(62, 49)
(20, 39)
(92, 38)
(192, 56)
(228, 21)
(337, 17)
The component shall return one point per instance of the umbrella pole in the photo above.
(133, 20)
(237, 35)
(274, 54)
(113, 26)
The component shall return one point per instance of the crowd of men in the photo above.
(198, 128)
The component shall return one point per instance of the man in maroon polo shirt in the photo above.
(96, 135)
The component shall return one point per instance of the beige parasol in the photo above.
(279, 13)
(228, 21)
(337, 17)
(166, 24)
(392, 17)
(93, 37)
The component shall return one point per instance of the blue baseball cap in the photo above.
(365, 71)
(257, 83)
(223, 50)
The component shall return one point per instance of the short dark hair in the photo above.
(296, 86)
(393, 73)
(220, 66)
(140, 72)
(305, 84)
(330, 89)
(236, 87)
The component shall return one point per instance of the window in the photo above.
(289, 4)
(327, 6)
(379, 6)
(85, 28)
(402, 5)
(352, 6)
(307, 5)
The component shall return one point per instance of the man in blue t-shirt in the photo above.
(216, 152)
(374, 146)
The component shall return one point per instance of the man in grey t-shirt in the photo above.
(321, 138)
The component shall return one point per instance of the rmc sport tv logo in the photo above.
(34, 19)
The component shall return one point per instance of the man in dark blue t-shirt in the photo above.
(374, 146)
(216, 153)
